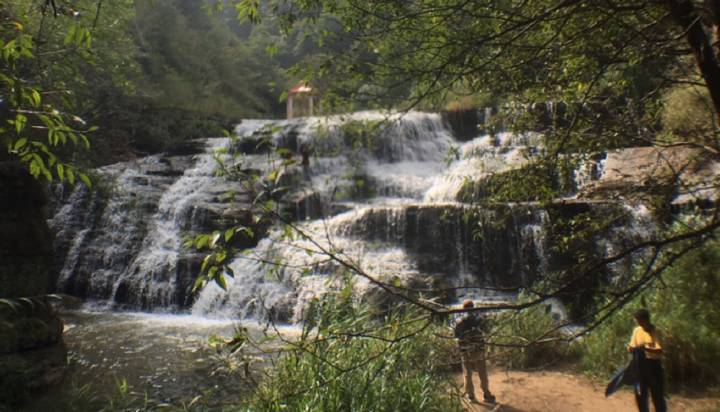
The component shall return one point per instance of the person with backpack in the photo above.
(469, 332)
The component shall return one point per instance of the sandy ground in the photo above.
(562, 391)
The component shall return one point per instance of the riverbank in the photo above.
(569, 391)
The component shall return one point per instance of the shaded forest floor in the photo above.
(566, 391)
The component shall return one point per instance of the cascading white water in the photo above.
(120, 222)
(407, 152)
(383, 200)
(480, 157)
(153, 269)
(280, 276)
(123, 241)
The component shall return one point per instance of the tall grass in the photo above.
(351, 359)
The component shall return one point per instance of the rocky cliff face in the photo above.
(32, 354)
(681, 175)
(26, 254)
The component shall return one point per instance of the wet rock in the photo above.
(28, 323)
(24, 373)
(32, 354)
(26, 256)
(124, 240)
(187, 148)
(487, 243)
(683, 175)
(304, 205)
(463, 122)
(61, 301)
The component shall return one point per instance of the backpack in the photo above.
(470, 327)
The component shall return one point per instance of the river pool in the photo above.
(164, 357)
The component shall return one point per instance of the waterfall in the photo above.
(153, 271)
(122, 242)
(378, 190)
(481, 157)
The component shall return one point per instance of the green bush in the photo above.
(685, 307)
(533, 182)
(349, 359)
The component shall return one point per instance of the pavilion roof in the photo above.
(300, 88)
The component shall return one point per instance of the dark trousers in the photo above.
(652, 381)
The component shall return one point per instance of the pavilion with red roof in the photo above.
(303, 94)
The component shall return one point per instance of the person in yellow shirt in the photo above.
(646, 338)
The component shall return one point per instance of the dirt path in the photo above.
(561, 392)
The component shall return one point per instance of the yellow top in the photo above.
(642, 339)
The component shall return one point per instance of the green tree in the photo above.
(607, 63)
(193, 60)
(610, 64)
(37, 119)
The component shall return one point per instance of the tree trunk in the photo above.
(686, 15)
(712, 8)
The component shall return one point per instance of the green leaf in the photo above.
(205, 262)
(271, 49)
(249, 232)
(35, 98)
(213, 240)
(11, 303)
(248, 10)
(70, 35)
(85, 179)
(201, 241)
(221, 256)
(61, 171)
(46, 120)
(220, 280)
(229, 234)
(199, 283)
(47, 174)
(9, 50)
(20, 121)
(85, 140)
(60, 137)
(19, 144)
(70, 176)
